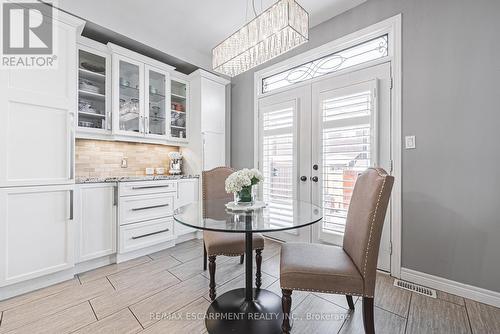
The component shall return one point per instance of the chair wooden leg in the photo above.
(205, 257)
(350, 302)
(211, 269)
(258, 274)
(242, 258)
(286, 304)
(368, 320)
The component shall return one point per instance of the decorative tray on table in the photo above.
(233, 206)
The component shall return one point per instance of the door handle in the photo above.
(314, 179)
(150, 234)
(71, 197)
(150, 207)
(115, 195)
(151, 187)
(303, 178)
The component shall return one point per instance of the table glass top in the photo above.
(274, 217)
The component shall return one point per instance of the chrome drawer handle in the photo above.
(150, 207)
(152, 233)
(150, 187)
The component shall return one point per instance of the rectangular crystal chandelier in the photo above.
(280, 28)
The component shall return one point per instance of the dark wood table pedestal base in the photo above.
(246, 310)
(232, 313)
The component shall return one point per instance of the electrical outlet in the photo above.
(410, 142)
(124, 163)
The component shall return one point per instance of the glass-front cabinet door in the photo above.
(93, 112)
(157, 101)
(178, 109)
(128, 97)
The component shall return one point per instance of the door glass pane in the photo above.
(157, 110)
(129, 104)
(278, 148)
(346, 147)
(178, 110)
(91, 90)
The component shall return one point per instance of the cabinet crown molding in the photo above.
(137, 56)
(207, 75)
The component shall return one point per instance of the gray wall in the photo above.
(451, 184)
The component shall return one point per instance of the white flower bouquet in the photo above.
(241, 182)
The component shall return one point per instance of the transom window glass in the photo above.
(371, 50)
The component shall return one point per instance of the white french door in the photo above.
(284, 141)
(351, 132)
(314, 140)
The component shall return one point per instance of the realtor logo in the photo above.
(27, 34)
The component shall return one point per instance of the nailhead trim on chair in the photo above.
(373, 220)
(227, 254)
(328, 291)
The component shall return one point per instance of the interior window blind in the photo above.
(345, 152)
(277, 163)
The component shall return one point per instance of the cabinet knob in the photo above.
(314, 179)
(303, 178)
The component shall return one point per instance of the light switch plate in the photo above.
(410, 142)
(124, 163)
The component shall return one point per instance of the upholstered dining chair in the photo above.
(349, 270)
(220, 243)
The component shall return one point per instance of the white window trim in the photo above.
(391, 27)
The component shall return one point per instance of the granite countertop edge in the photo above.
(85, 180)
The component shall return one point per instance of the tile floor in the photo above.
(134, 296)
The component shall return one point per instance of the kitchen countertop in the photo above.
(82, 180)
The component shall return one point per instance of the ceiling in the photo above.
(186, 29)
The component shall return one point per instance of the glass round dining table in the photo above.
(247, 310)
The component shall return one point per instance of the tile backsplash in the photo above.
(98, 158)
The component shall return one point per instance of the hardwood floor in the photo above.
(167, 292)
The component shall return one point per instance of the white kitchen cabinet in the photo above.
(141, 97)
(37, 117)
(95, 218)
(179, 108)
(213, 104)
(145, 222)
(144, 234)
(187, 193)
(128, 96)
(36, 232)
(94, 89)
(157, 101)
(214, 154)
(207, 141)
(145, 207)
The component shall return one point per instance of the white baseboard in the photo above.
(188, 236)
(122, 257)
(33, 284)
(95, 263)
(460, 289)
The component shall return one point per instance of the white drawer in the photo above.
(141, 235)
(147, 187)
(140, 208)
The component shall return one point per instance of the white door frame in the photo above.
(391, 27)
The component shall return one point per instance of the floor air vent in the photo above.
(415, 288)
